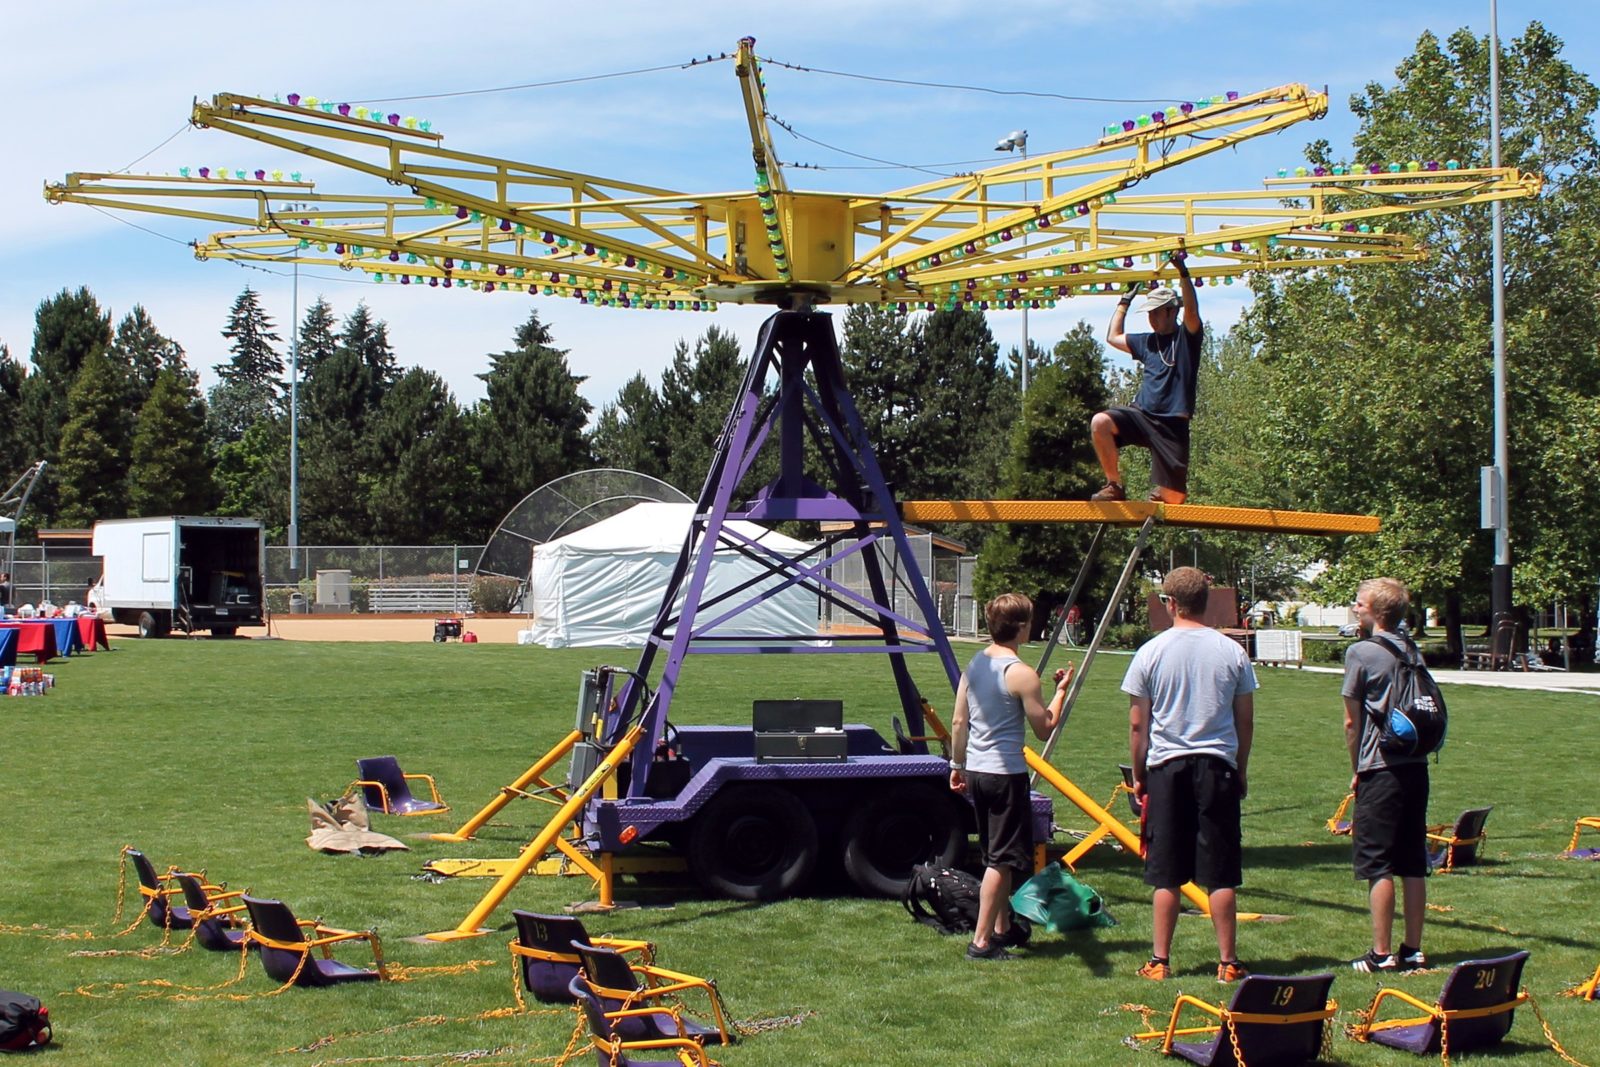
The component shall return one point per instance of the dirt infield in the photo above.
(494, 630)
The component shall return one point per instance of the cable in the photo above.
(792, 132)
(971, 88)
(136, 226)
(154, 150)
(546, 84)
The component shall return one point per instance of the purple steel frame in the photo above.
(791, 342)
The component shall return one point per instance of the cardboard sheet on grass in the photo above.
(343, 825)
(602, 585)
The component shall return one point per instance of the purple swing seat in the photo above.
(614, 980)
(1452, 847)
(1267, 1044)
(387, 788)
(164, 914)
(215, 926)
(1475, 984)
(548, 962)
(610, 1045)
(273, 920)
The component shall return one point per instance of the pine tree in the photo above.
(252, 380)
(530, 426)
(68, 328)
(368, 339)
(417, 444)
(334, 414)
(317, 338)
(169, 471)
(16, 451)
(631, 433)
(92, 470)
(144, 353)
(697, 392)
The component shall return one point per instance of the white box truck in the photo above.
(182, 571)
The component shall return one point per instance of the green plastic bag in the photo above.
(1055, 899)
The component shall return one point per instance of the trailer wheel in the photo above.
(224, 631)
(150, 625)
(895, 830)
(753, 842)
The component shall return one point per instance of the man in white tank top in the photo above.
(997, 697)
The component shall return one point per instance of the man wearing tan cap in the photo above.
(1159, 418)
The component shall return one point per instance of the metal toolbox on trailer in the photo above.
(799, 731)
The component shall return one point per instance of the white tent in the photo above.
(602, 585)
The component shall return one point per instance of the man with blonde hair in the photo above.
(1191, 725)
(1389, 832)
(997, 696)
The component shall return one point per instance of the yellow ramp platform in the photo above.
(1133, 513)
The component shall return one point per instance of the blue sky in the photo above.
(94, 86)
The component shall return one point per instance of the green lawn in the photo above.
(203, 753)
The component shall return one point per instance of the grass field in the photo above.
(203, 753)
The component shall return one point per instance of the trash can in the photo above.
(298, 604)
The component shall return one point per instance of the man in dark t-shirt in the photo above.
(1389, 830)
(1159, 417)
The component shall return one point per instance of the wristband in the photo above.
(957, 766)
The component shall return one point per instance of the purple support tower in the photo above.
(791, 343)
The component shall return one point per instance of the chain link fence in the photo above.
(377, 577)
(36, 576)
(951, 578)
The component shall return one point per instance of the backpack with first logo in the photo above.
(1415, 721)
(24, 1022)
(947, 900)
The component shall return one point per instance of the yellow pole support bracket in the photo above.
(472, 925)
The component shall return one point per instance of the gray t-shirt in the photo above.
(995, 735)
(1191, 675)
(1369, 671)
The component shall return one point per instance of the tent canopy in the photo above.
(603, 585)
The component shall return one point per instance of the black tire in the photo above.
(438, 639)
(224, 631)
(150, 625)
(753, 842)
(898, 827)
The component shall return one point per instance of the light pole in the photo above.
(1500, 582)
(1017, 141)
(294, 424)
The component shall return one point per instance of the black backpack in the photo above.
(947, 900)
(1415, 721)
(24, 1022)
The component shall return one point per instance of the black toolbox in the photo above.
(788, 731)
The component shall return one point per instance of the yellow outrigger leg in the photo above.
(550, 836)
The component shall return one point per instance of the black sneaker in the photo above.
(995, 951)
(1411, 959)
(1372, 963)
(1017, 935)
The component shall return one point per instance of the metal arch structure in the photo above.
(493, 225)
(12, 504)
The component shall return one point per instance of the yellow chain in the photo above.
(1233, 1038)
(1550, 1034)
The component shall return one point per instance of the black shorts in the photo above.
(1005, 820)
(1389, 835)
(1167, 438)
(1191, 826)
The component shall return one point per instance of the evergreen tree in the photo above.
(92, 470)
(252, 475)
(417, 445)
(368, 339)
(169, 471)
(697, 393)
(334, 414)
(530, 426)
(631, 433)
(252, 379)
(882, 374)
(68, 328)
(144, 352)
(1050, 457)
(317, 338)
(16, 450)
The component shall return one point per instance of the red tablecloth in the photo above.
(92, 629)
(36, 637)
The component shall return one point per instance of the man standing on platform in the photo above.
(1191, 723)
(1159, 418)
